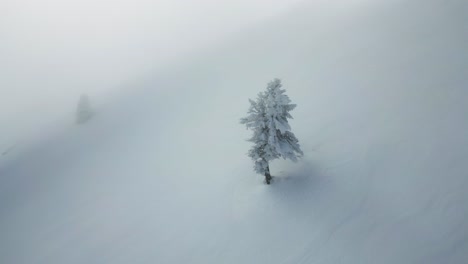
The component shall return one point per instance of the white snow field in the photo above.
(162, 176)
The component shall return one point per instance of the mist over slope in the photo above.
(162, 176)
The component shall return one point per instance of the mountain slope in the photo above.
(162, 176)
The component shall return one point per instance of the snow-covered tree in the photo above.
(268, 118)
(84, 110)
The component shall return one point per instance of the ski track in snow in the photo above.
(162, 176)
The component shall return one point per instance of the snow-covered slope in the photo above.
(162, 175)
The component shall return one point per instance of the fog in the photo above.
(51, 51)
(158, 173)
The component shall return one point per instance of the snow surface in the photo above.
(162, 176)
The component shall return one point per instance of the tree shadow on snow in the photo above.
(300, 183)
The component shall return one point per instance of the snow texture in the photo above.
(161, 176)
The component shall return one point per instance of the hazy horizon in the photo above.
(54, 50)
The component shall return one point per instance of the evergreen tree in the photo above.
(268, 118)
(84, 111)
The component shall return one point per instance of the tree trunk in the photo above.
(267, 175)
